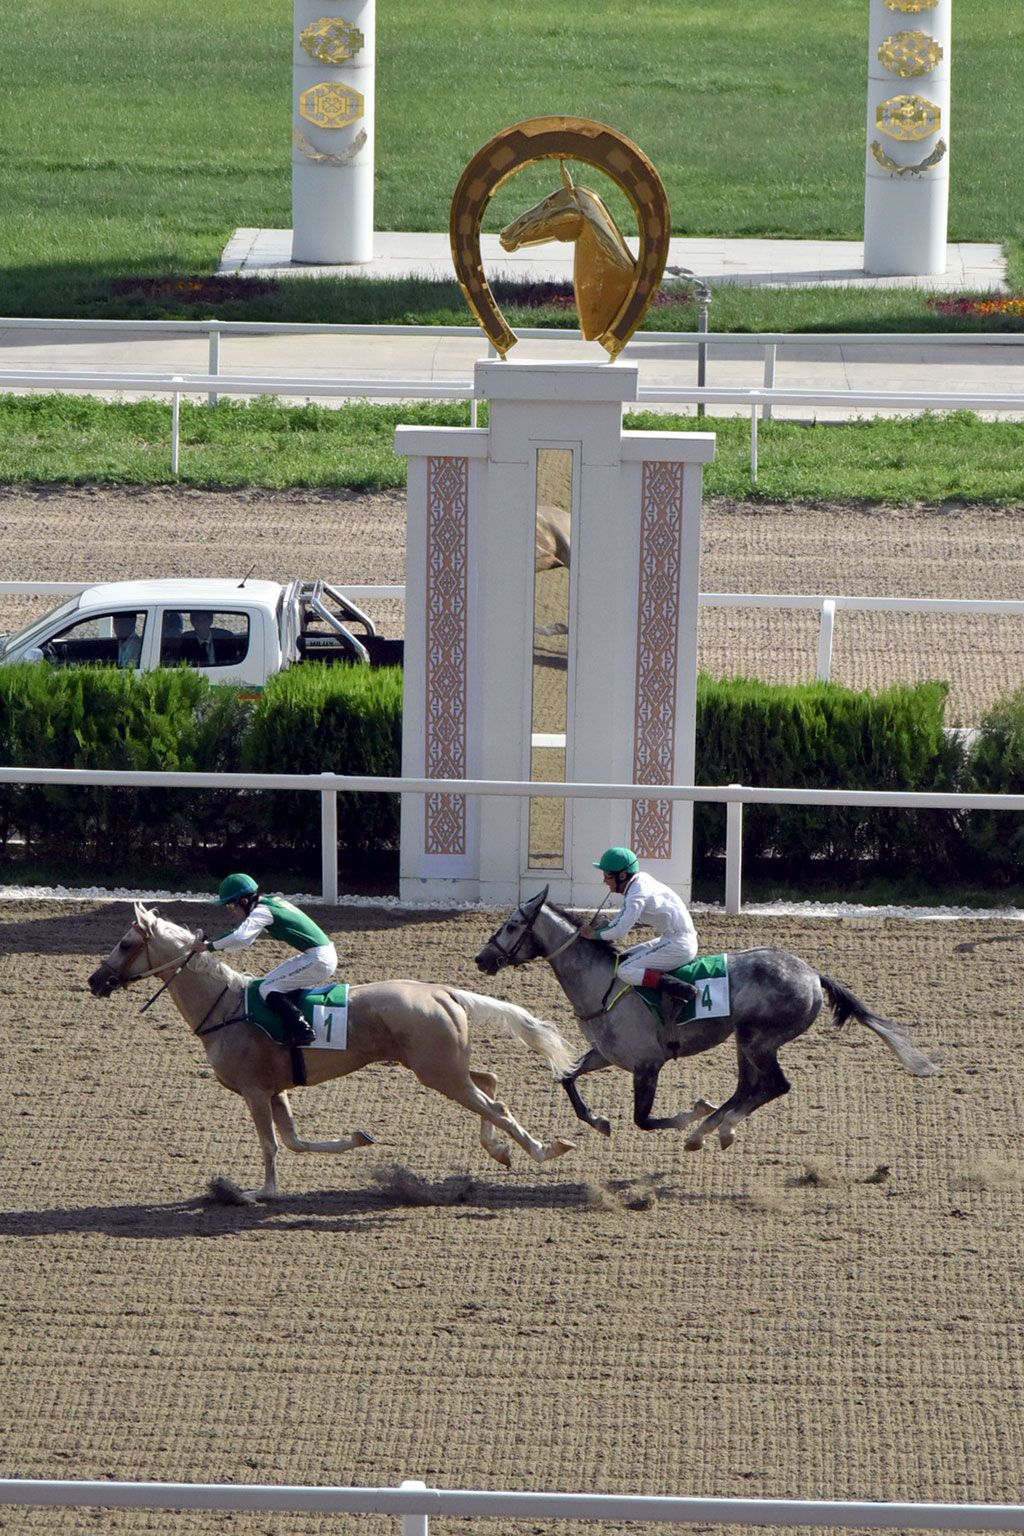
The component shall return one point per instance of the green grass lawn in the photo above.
(77, 439)
(137, 136)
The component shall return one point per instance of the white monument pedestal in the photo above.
(629, 657)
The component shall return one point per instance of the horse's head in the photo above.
(150, 944)
(556, 217)
(515, 942)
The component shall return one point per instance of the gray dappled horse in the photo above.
(774, 997)
(423, 1025)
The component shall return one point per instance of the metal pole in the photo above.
(329, 845)
(175, 423)
(733, 854)
(702, 293)
(214, 366)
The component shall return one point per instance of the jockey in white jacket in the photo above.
(647, 900)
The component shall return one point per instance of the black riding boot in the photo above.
(297, 1030)
(682, 992)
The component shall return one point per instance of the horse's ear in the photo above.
(143, 916)
(567, 180)
(536, 902)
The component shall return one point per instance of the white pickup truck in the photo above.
(238, 632)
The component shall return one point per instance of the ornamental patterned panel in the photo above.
(908, 117)
(332, 40)
(447, 648)
(657, 652)
(910, 53)
(911, 5)
(331, 104)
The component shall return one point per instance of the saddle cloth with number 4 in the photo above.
(710, 975)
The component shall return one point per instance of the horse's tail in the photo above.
(846, 1006)
(538, 1034)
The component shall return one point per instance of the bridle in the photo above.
(509, 955)
(118, 979)
(179, 962)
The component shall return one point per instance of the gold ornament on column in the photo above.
(331, 105)
(908, 117)
(332, 40)
(909, 53)
(613, 288)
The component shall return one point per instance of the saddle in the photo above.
(317, 1005)
(710, 975)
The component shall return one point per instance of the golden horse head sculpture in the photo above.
(604, 268)
(613, 288)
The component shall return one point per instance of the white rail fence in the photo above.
(760, 400)
(330, 785)
(415, 1504)
(824, 604)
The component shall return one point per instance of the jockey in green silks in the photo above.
(313, 966)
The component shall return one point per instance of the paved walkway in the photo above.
(748, 263)
(847, 366)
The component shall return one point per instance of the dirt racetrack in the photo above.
(830, 1309)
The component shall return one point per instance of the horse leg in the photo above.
(262, 1118)
(281, 1111)
(760, 1080)
(591, 1061)
(645, 1084)
(471, 1097)
(490, 1137)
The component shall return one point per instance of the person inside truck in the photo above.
(313, 966)
(202, 642)
(129, 644)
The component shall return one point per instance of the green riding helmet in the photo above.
(234, 887)
(618, 860)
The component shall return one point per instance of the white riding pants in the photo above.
(663, 954)
(311, 968)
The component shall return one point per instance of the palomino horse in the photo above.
(553, 527)
(421, 1025)
(774, 997)
(604, 268)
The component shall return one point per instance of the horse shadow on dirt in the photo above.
(395, 1193)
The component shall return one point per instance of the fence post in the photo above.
(214, 363)
(733, 854)
(769, 375)
(753, 445)
(825, 632)
(329, 844)
(175, 423)
(413, 1525)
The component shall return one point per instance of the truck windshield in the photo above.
(55, 617)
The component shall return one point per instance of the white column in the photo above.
(332, 132)
(906, 177)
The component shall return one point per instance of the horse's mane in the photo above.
(605, 229)
(199, 962)
(577, 922)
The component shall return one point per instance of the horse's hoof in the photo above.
(362, 1139)
(603, 1127)
(726, 1137)
(558, 1148)
(693, 1144)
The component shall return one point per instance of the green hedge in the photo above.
(309, 719)
(345, 719)
(821, 736)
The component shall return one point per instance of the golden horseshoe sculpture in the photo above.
(559, 138)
